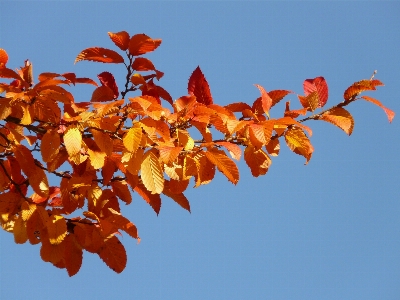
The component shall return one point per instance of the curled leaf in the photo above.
(339, 117)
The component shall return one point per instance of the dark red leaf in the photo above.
(107, 79)
(198, 86)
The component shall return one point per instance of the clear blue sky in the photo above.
(328, 230)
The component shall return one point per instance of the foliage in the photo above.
(104, 149)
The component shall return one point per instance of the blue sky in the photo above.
(328, 230)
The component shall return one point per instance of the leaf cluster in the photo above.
(103, 150)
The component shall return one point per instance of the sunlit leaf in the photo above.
(340, 117)
(152, 173)
(363, 85)
(319, 86)
(257, 160)
(57, 229)
(224, 164)
(99, 54)
(73, 140)
(3, 58)
(266, 100)
(120, 39)
(140, 44)
(299, 143)
(390, 113)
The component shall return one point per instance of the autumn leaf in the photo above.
(319, 86)
(257, 160)
(358, 87)
(233, 149)
(390, 113)
(120, 189)
(133, 138)
(102, 93)
(3, 58)
(339, 117)
(299, 143)
(113, 253)
(120, 39)
(152, 173)
(99, 54)
(266, 100)
(107, 79)
(123, 223)
(224, 164)
(73, 255)
(198, 86)
(153, 199)
(73, 140)
(140, 44)
(50, 145)
(19, 230)
(178, 198)
(143, 64)
(57, 229)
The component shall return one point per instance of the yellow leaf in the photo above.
(152, 173)
(57, 229)
(132, 138)
(73, 140)
(224, 164)
(299, 143)
(20, 235)
(96, 158)
(339, 117)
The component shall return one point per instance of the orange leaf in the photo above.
(101, 94)
(299, 143)
(120, 188)
(278, 95)
(224, 164)
(153, 199)
(169, 154)
(123, 223)
(390, 113)
(238, 106)
(266, 100)
(50, 145)
(152, 173)
(100, 55)
(73, 255)
(257, 160)
(52, 253)
(178, 198)
(103, 141)
(141, 44)
(113, 253)
(356, 88)
(73, 140)
(3, 58)
(234, 150)
(339, 117)
(204, 167)
(120, 39)
(310, 101)
(143, 64)
(198, 86)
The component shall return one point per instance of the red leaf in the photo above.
(107, 79)
(318, 85)
(3, 58)
(120, 39)
(142, 64)
(198, 86)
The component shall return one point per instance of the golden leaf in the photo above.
(50, 145)
(152, 173)
(299, 143)
(132, 138)
(57, 229)
(224, 164)
(19, 230)
(73, 140)
(339, 117)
